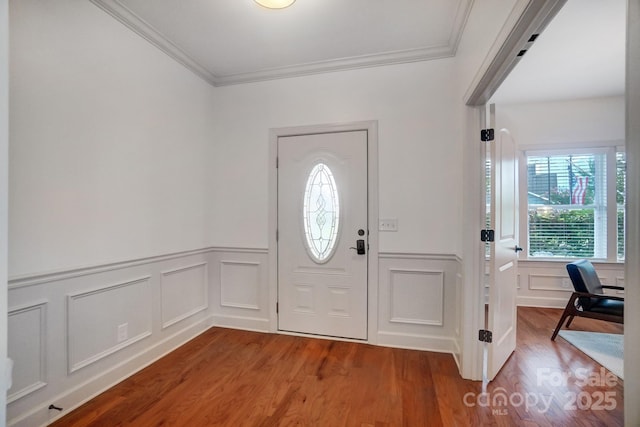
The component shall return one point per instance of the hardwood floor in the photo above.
(227, 377)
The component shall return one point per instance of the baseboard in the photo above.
(416, 342)
(243, 323)
(71, 399)
(456, 353)
(544, 302)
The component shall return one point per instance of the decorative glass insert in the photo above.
(321, 213)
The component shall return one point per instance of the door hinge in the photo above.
(487, 235)
(277, 235)
(486, 135)
(485, 336)
(277, 162)
(277, 308)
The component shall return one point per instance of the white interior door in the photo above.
(504, 250)
(323, 234)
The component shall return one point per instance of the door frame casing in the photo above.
(371, 127)
(527, 17)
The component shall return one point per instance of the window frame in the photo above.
(610, 150)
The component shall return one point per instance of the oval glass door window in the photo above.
(321, 213)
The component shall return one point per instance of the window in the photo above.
(567, 204)
(321, 213)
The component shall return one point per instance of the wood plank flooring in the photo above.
(227, 377)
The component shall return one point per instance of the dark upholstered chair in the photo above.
(588, 299)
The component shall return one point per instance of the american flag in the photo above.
(579, 190)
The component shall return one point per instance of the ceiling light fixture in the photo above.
(275, 4)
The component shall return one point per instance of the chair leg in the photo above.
(566, 313)
(560, 322)
(569, 321)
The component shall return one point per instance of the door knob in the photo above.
(517, 249)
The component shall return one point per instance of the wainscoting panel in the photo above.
(184, 292)
(240, 296)
(417, 296)
(240, 284)
(550, 282)
(105, 320)
(418, 301)
(27, 348)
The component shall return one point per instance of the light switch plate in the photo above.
(389, 224)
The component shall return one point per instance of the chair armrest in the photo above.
(598, 296)
(619, 288)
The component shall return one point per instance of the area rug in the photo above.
(606, 349)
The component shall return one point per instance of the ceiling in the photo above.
(581, 54)
(236, 41)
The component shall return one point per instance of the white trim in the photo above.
(371, 127)
(33, 279)
(418, 342)
(364, 61)
(245, 323)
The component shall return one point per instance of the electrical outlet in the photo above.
(390, 224)
(123, 332)
(566, 283)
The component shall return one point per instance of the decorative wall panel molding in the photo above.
(184, 292)
(102, 321)
(27, 347)
(55, 276)
(550, 282)
(240, 284)
(417, 296)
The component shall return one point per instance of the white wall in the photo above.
(108, 142)
(4, 195)
(419, 149)
(588, 120)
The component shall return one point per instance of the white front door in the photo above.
(323, 234)
(503, 263)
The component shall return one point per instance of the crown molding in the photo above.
(134, 22)
(365, 61)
